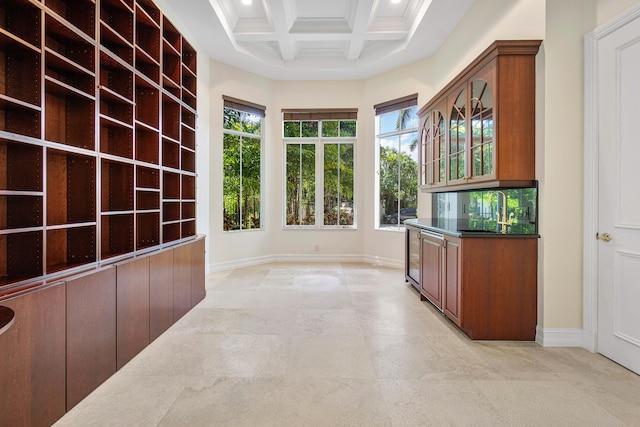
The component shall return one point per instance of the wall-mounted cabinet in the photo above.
(95, 98)
(479, 131)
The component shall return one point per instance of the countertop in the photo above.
(461, 228)
(7, 316)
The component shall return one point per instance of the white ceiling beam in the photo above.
(361, 22)
(369, 35)
(279, 13)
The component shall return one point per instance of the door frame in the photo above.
(591, 176)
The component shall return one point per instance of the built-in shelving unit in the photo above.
(97, 135)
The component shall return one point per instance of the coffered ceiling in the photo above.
(319, 39)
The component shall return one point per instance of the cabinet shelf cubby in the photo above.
(148, 230)
(170, 185)
(115, 76)
(170, 232)
(189, 82)
(117, 186)
(170, 211)
(150, 9)
(117, 235)
(188, 210)
(20, 211)
(59, 68)
(148, 178)
(188, 118)
(22, 19)
(70, 247)
(147, 66)
(188, 160)
(147, 200)
(118, 17)
(147, 35)
(66, 42)
(69, 116)
(188, 187)
(19, 71)
(171, 36)
(188, 98)
(80, 13)
(116, 138)
(188, 137)
(189, 58)
(170, 118)
(20, 166)
(170, 154)
(19, 118)
(147, 104)
(147, 141)
(14, 265)
(115, 107)
(71, 188)
(188, 228)
(114, 42)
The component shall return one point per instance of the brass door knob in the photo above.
(605, 237)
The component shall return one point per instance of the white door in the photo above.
(618, 82)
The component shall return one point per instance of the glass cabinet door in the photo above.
(426, 141)
(482, 129)
(433, 149)
(458, 137)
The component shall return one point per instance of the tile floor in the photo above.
(348, 345)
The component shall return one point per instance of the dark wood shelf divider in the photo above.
(98, 135)
(97, 154)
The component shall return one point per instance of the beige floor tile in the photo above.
(348, 344)
(329, 402)
(227, 402)
(328, 356)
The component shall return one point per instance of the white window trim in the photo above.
(399, 227)
(262, 166)
(319, 143)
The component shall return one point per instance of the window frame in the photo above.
(253, 110)
(396, 105)
(319, 142)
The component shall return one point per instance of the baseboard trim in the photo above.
(552, 337)
(249, 262)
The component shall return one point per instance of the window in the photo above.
(397, 162)
(242, 164)
(319, 162)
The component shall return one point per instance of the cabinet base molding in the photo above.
(559, 337)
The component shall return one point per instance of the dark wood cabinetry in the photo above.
(479, 131)
(32, 372)
(68, 337)
(97, 103)
(487, 286)
(86, 258)
(91, 332)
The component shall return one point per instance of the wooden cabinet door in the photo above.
(91, 332)
(481, 150)
(458, 135)
(452, 279)
(198, 291)
(132, 308)
(32, 372)
(160, 292)
(431, 268)
(182, 272)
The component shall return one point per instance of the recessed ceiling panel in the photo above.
(290, 39)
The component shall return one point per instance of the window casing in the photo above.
(319, 153)
(396, 163)
(242, 166)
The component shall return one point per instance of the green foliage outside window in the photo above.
(241, 165)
